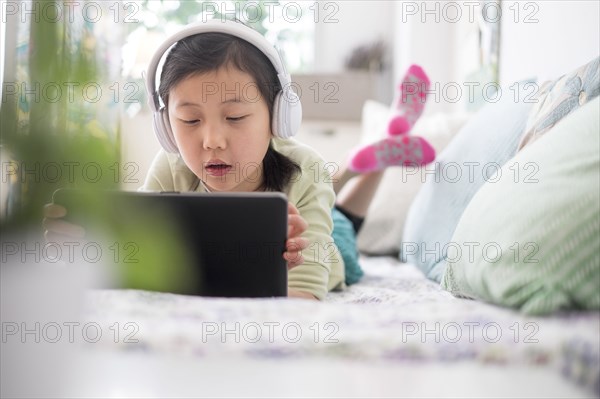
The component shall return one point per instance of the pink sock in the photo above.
(392, 151)
(409, 101)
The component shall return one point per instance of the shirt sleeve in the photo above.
(159, 177)
(168, 172)
(313, 195)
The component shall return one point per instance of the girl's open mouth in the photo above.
(217, 168)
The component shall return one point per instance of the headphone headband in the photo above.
(287, 110)
(214, 26)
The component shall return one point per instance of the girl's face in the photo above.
(222, 128)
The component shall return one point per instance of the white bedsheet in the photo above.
(395, 334)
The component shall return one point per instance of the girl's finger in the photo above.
(296, 244)
(54, 211)
(296, 225)
(292, 210)
(293, 259)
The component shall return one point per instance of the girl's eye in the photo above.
(236, 118)
(190, 122)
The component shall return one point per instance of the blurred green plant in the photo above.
(43, 130)
(62, 135)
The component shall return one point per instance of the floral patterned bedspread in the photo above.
(393, 314)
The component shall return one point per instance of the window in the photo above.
(288, 24)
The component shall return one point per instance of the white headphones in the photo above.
(287, 110)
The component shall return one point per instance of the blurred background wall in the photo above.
(341, 53)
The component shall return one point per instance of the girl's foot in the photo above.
(392, 151)
(410, 101)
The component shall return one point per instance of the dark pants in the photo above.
(357, 221)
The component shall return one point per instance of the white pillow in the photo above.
(382, 230)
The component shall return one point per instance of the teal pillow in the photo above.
(345, 239)
(540, 223)
(481, 147)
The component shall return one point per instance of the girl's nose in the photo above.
(213, 138)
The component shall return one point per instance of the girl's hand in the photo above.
(56, 228)
(295, 244)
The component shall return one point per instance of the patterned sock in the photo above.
(392, 151)
(410, 101)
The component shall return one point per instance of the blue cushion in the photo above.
(345, 239)
(479, 149)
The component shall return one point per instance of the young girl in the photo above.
(219, 92)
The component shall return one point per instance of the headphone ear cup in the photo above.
(287, 114)
(276, 121)
(162, 129)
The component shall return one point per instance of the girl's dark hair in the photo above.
(210, 51)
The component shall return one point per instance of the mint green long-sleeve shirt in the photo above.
(311, 193)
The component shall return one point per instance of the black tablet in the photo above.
(209, 244)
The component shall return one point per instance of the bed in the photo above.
(394, 334)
